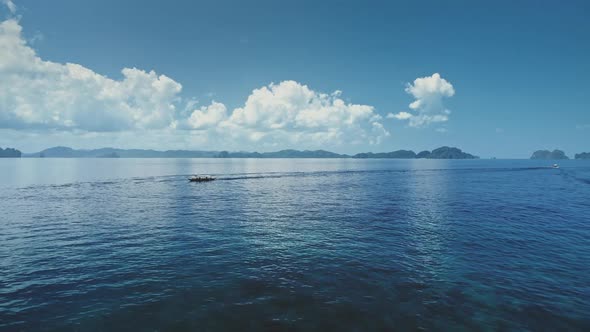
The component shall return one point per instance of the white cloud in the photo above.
(11, 6)
(44, 94)
(428, 107)
(36, 94)
(292, 105)
(293, 113)
(208, 116)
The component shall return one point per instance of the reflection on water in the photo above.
(120, 244)
(430, 220)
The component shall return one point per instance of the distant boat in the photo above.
(201, 178)
(555, 166)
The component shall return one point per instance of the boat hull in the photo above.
(205, 179)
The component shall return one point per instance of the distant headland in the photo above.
(444, 152)
(557, 155)
(10, 153)
(546, 154)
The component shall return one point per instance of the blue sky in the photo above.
(343, 74)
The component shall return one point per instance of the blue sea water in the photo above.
(294, 244)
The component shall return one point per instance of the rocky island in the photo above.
(583, 155)
(10, 153)
(546, 154)
(444, 152)
(399, 154)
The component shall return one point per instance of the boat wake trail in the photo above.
(278, 175)
(255, 176)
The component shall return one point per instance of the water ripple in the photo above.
(312, 245)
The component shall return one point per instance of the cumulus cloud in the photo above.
(208, 116)
(428, 107)
(41, 94)
(36, 94)
(10, 5)
(293, 113)
(285, 114)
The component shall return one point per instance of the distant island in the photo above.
(399, 154)
(583, 155)
(444, 152)
(282, 154)
(66, 152)
(10, 153)
(546, 154)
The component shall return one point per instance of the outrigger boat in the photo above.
(201, 178)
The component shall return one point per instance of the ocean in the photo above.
(294, 244)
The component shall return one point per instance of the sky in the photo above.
(494, 78)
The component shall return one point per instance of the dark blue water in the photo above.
(343, 245)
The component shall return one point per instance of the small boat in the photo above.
(555, 166)
(201, 178)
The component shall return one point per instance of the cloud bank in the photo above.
(41, 94)
(428, 107)
(44, 95)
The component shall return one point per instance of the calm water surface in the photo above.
(342, 245)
